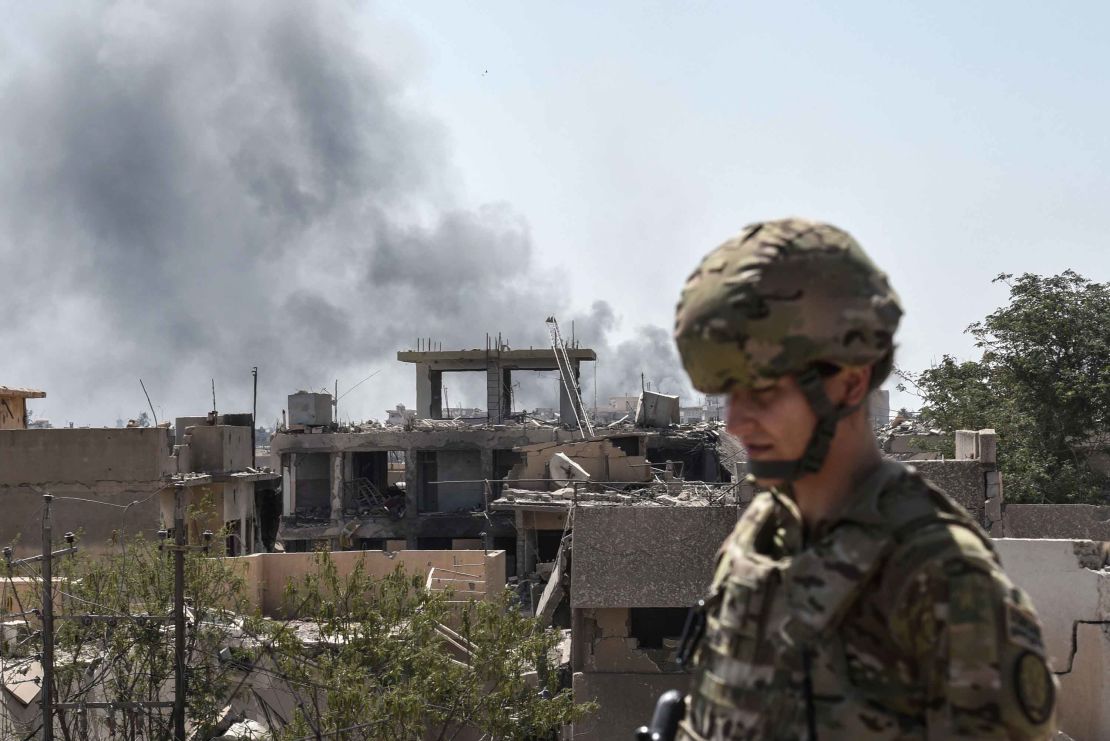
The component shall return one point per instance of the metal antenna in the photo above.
(152, 412)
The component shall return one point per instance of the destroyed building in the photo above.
(429, 482)
(86, 468)
(616, 547)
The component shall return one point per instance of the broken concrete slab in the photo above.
(657, 410)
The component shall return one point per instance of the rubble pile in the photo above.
(658, 494)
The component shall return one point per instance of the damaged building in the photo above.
(429, 483)
(616, 547)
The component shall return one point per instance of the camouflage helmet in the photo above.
(778, 298)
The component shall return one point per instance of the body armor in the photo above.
(798, 640)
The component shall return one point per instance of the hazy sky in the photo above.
(189, 191)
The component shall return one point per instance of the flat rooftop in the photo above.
(542, 358)
(10, 392)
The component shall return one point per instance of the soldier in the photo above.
(854, 599)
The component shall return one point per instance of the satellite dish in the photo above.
(563, 470)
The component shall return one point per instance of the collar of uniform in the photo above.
(861, 507)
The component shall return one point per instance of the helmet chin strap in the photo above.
(828, 416)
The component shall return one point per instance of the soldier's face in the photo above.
(773, 420)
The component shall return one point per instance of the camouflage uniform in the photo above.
(893, 619)
(895, 622)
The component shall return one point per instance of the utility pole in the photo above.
(49, 703)
(47, 557)
(254, 416)
(179, 611)
(47, 622)
(180, 547)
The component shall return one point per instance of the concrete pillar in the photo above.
(988, 447)
(412, 496)
(493, 394)
(348, 467)
(336, 480)
(491, 488)
(289, 485)
(521, 544)
(967, 445)
(566, 406)
(429, 392)
(994, 505)
(506, 393)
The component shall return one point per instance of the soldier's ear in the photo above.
(855, 383)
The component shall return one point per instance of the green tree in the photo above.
(358, 658)
(1043, 382)
(124, 652)
(385, 665)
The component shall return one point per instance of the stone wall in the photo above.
(85, 470)
(65, 455)
(1084, 521)
(645, 556)
(626, 702)
(964, 481)
(266, 574)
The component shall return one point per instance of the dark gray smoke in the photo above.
(190, 189)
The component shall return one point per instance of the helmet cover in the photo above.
(778, 298)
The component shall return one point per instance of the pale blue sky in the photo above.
(955, 140)
(191, 188)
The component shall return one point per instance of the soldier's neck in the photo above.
(853, 455)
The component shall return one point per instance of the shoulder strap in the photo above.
(826, 580)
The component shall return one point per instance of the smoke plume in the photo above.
(190, 189)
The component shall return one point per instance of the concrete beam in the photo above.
(462, 360)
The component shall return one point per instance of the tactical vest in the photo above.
(774, 663)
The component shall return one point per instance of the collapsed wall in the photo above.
(1070, 587)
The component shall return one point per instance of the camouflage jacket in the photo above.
(895, 621)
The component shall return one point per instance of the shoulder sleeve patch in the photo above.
(1036, 692)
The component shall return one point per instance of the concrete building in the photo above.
(428, 483)
(430, 486)
(615, 544)
(127, 469)
(13, 406)
(498, 363)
